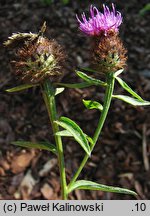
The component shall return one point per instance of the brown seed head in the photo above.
(38, 59)
(109, 54)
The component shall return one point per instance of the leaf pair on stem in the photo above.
(71, 129)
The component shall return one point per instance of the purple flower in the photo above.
(100, 23)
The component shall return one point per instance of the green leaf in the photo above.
(59, 90)
(76, 132)
(47, 2)
(65, 1)
(63, 133)
(132, 101)
(76, 85)
(89, 79)
(89, 185)
(128, 89)
(90, 140)
(89, 70)
(21, 87)
(40, 145)
(145, 9)
(89, 104)
(117, 73)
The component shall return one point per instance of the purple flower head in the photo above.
(98, 22)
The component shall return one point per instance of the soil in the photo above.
(122, 154)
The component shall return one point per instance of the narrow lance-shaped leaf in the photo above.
(21, 87)
(74, 85)
(64, 133)
(128, 89)
(89, 104)
(40, 145)
(117, 73)
(89, 70)
(76, 132)
(89, 185)
(59, 90)
(132, 101)
(90, 79)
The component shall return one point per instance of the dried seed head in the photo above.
(37, 58)
(19, 39)
(109, 54)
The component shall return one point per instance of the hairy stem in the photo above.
(49, 98)
(107, 100)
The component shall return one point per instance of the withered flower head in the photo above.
(37, 58)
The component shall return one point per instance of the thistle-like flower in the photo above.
(100, 23)
(37, 58)
(108, 52)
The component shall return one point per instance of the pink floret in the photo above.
(100, 23)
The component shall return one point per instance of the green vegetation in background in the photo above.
(145, 9)
(48, 2)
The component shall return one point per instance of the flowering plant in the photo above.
(40, 62)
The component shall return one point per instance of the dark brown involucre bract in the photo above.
(109, 54)
(38, 59)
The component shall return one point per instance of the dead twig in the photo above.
(144, 149)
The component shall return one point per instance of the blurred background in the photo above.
(122, 154)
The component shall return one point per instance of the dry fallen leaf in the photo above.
(144, 149)
(47, 191)
(4, 163)
(139, 189)
(2, 172)
(21, 161)
(27, 185)
(47, 167)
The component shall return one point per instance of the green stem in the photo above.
(107, 100)
(49, 98)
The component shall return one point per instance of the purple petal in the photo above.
(98, 22)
